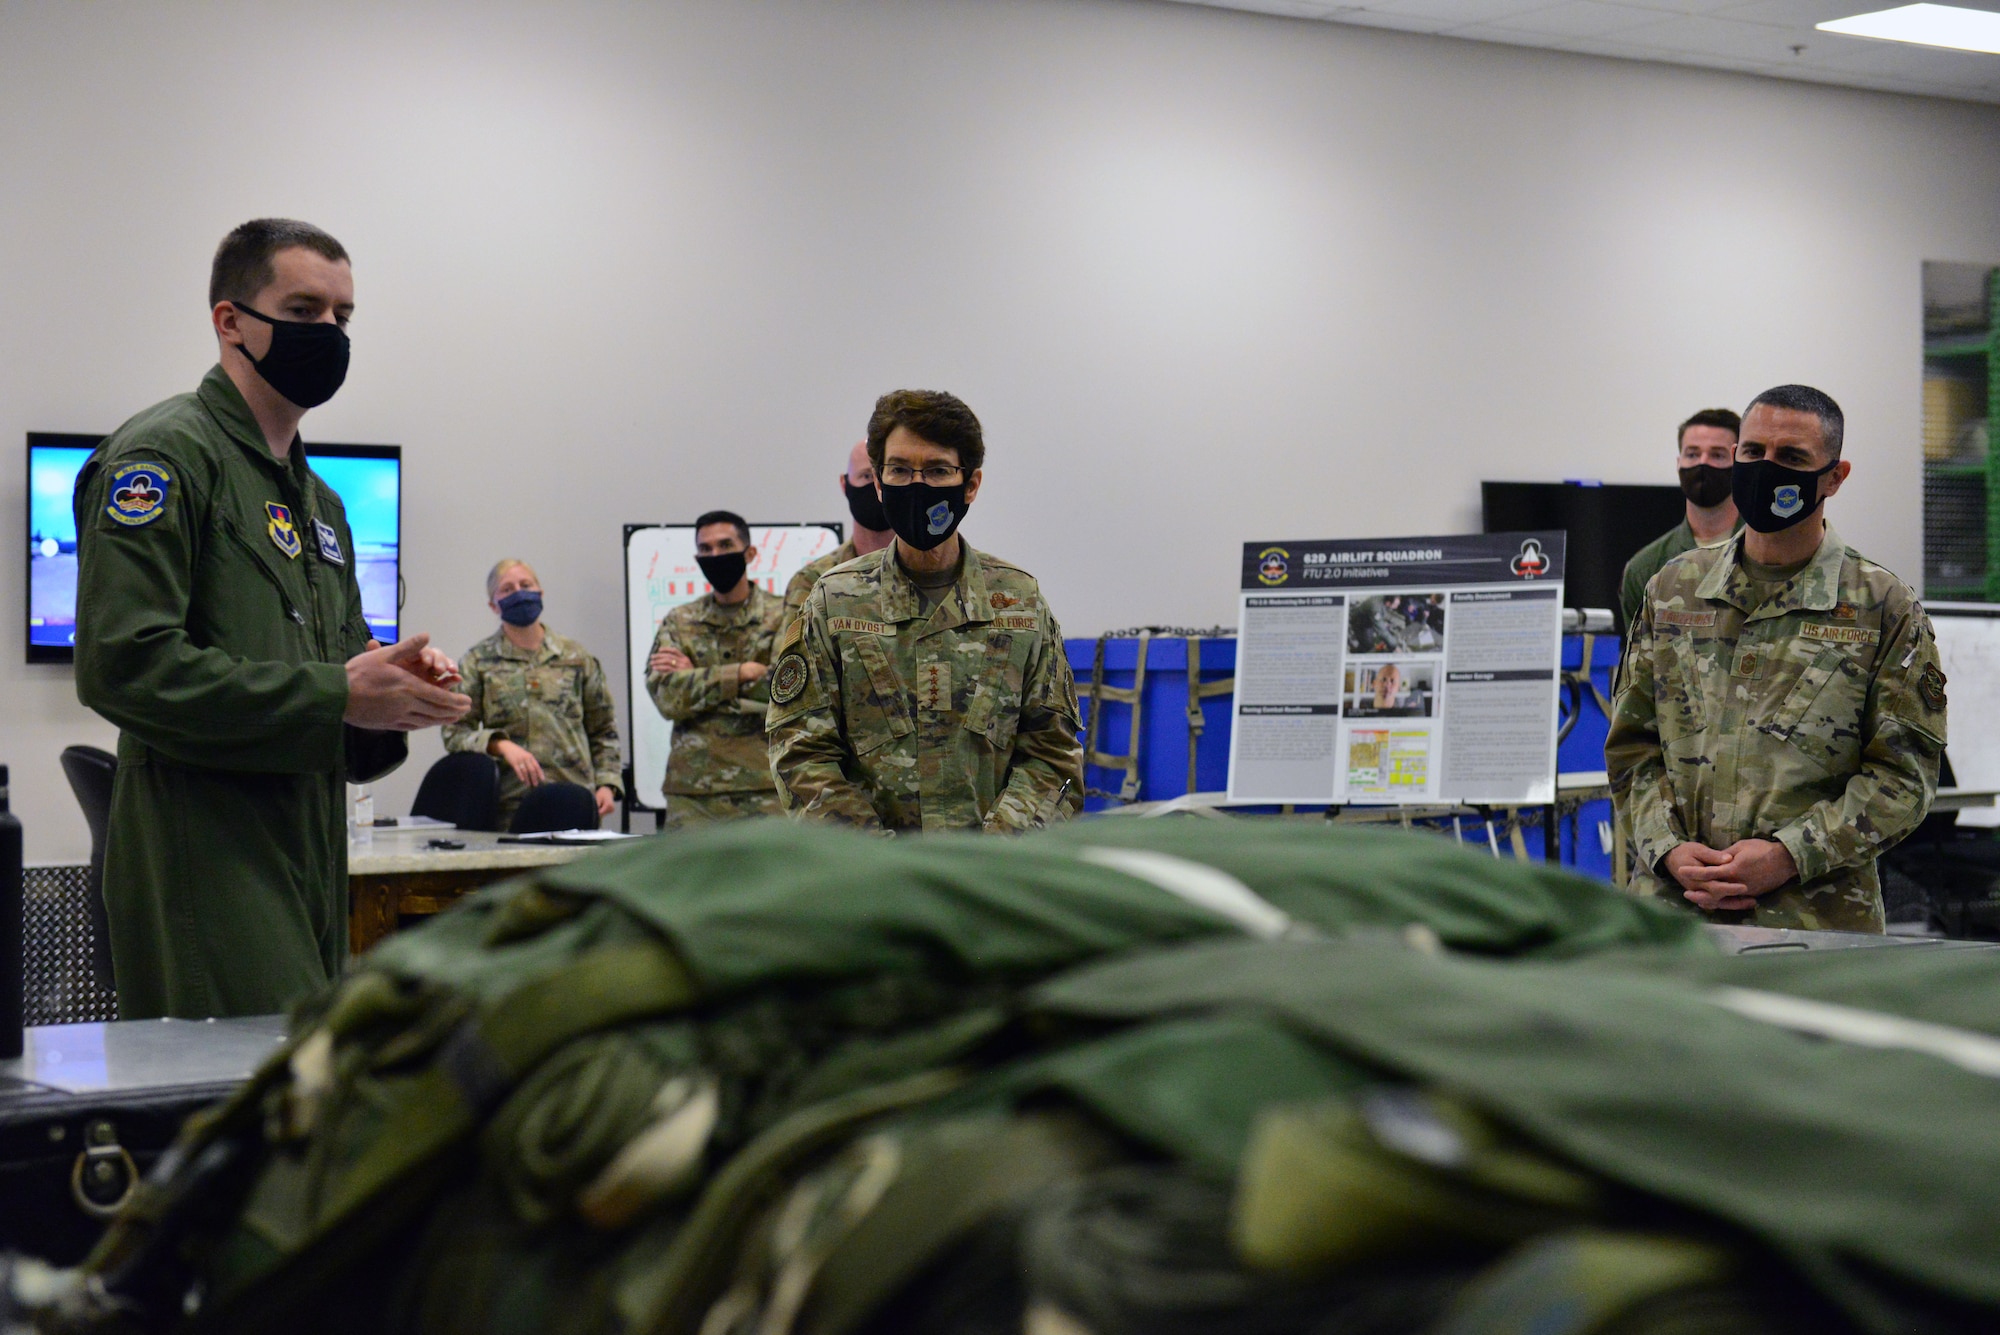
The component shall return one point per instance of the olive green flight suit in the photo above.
(1813, 717)
(965, 718)
(216, 605)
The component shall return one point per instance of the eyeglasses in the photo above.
(937, 475)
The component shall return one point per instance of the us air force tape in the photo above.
(789, 680)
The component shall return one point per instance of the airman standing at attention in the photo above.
(708, 675)
(925, 686)
(540, 703)
(871, 530)
(1781, 711)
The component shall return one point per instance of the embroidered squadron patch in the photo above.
(789, 679)
(1839, 634)
(329, 543)
(1930, 685)
(284, 536)
(138, 494)
(1674, 616)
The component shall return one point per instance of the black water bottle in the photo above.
(13, 984)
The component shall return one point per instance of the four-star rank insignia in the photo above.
(789, 679)
(284, 536)
(138, 494)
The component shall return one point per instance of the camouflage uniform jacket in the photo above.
(1815, 719)
(963, 720)
(808, 575)
(718, 722)
(554, 701)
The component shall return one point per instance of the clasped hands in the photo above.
(1733, 877)
(403, 687)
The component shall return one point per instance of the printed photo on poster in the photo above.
(1396, 623)
(1391, 690)
(1388, 762)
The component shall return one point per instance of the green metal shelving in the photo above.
(1962, 499)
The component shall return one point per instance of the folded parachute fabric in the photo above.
(770, 1079)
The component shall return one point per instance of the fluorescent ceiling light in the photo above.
(1926, 25)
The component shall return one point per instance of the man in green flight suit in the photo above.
(1707, 448)
(219, 626)
(707, 674)
(871, 530)
(925, 687)
(1781, 711)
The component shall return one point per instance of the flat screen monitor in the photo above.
(367, 478)
(1606, 523)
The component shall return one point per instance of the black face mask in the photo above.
(1772, 497)
(1705, 485)
(307, 360)
(725, 571)
(923, 515)
(865, 506)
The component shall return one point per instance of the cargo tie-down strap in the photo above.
(1128, 762)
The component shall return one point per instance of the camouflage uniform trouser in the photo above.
(687, 809)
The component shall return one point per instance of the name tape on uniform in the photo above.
(860, 627)
(1016, 622)
(1674, 616)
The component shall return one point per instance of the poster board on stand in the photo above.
(1398, 671)
(660, 575)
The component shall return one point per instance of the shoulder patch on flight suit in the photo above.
(329, 543)
(789, 679)
(138, 494)
(837, 624)
(1930, 685)
(1813, 630)
(1674, 616)
(1017, 622)
(284, 536)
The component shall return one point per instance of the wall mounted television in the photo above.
(367, 478)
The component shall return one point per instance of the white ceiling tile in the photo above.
(1797, 13)
(1456, 13)
(1699, 35)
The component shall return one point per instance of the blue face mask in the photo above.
(522, 607)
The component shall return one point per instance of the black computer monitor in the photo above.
(1606, 523)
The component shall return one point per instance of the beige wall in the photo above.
(1206, 276)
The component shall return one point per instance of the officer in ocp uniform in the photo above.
(219, 626)
(925, 686)
(1781, 711)
(871, 530)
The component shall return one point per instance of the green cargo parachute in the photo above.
(1139, 1076)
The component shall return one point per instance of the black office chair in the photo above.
(462, 788)
(555, 806)
(90, 772)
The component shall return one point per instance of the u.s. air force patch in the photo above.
(1930, 685)
(138, 494)
(789, 679)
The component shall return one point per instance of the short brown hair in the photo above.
(935, 416)
(1717, 417)
(243, 265)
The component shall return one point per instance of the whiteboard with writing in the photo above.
(660, 575)
(1968, 639)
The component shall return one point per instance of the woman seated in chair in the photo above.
(540, 704)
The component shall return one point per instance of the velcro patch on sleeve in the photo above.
(858, 626)
(1674, 616)
(1813, 630)
(138, 494)
(1017, 622)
